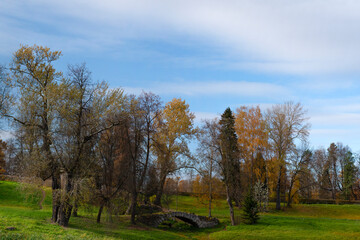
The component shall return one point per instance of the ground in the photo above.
(299, 222)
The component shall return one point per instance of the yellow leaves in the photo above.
(176, 122)
(178, 117)
(36, 61)
(250, 127)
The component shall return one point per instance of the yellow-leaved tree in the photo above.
(250, 127)
(174, 128)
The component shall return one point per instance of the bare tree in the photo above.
(209, 153)
(112, 155)
(287, 123)
(298, 167)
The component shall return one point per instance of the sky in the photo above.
(213, 54)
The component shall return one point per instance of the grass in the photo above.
(23, 213)
(299, 222)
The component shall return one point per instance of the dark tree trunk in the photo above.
(289, 199)
(133, 206)
(289, 193)
(55, 198)
(98, 219)
(65, 209)
(160, 192)
(278, 200)
(75, 210)
(210, 198)
(210, 189)
(64, 214)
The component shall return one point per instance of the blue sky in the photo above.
(213, 54)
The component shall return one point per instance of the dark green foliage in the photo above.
(250, 213)
(349, 175)
(230, 164)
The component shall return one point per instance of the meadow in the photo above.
(299, 222)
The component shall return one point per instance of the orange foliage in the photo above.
(250, 127)
(201, 189)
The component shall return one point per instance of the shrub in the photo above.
(250, 209)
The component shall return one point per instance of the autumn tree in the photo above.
(250, 127)
(135, 137)
(321, 171)
(286, 124)
(298, 167)
(174, 129)
(35, 81)
(83, 113)
(142, 114)
(230, 162)
(112, 156)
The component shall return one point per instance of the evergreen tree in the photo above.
(250, 209)
(349, 175)
(230, 164)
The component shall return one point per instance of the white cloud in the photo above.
(196, 88)
(200, 116)
(344, 120)
(283, 36)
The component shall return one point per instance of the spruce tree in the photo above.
(250, 209)
(230, 164)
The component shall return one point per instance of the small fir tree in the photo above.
(250, 209)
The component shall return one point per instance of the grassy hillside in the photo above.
(299, 222)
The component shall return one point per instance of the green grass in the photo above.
(317, 221)
(299, 222)
(23, 213)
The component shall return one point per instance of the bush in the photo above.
(250, 209)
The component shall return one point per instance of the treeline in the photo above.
(97, 145)
(267, 152)
(102, 147)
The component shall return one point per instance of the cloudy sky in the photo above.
(213, 54)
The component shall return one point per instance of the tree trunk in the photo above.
(289, 193)
(76, 200)
(65, 209)
(289, 199)
(210, 198)
(64, 214)
(160, 192)
(210, 190)
(99, 213)
(231, 208)
(278, 200)
(75, 210)
(133, 206)
(55, 198)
